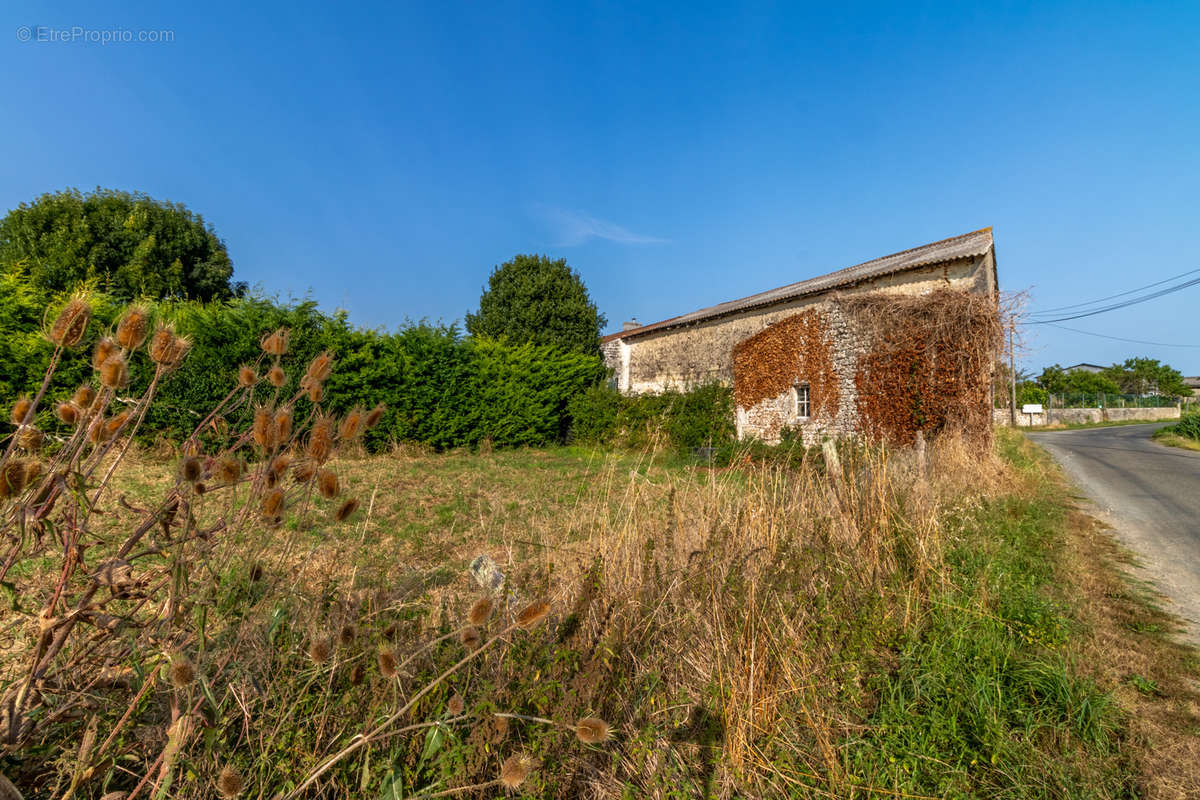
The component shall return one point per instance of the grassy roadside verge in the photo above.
(1172, 439)
(1124, 641)
(1185, 433)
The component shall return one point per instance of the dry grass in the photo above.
(878, 623)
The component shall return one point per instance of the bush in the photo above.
(1188, 426)
(699, 417)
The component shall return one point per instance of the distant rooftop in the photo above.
(1084, 368)
(968, 245)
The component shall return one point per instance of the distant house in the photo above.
(1093, 368)
(1193, 383)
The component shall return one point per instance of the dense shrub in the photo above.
(1188, 426)
(699, 417)
(439, 387)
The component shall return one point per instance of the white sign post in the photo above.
(1031, 409)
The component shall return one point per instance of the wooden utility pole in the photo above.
(1012, 373)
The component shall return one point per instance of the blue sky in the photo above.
(385, 157)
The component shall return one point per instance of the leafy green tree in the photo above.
(1147, 376)
(1056, 380)
(131, 245)
(532, 299)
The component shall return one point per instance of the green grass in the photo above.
(1184, 434)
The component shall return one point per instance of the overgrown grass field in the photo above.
(890, 625)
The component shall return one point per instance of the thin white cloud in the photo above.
(574, 228)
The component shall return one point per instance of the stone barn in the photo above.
(888, 347)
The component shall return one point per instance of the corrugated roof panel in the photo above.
(969, 245)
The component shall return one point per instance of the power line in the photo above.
(1116, 306)
(1120, 339)
(1113, 296)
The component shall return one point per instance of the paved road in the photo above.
(1150, 494)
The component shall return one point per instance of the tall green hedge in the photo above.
(440, 387)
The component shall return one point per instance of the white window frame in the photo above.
(801, 400)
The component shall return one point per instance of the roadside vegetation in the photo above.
(270, 610)
(1185, 433)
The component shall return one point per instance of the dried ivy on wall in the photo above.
(798, 348)
(928, 362)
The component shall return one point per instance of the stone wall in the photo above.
(702, 353)
(1077, 416)
(786, 356)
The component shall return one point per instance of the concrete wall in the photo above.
(702, 353)
(1075, 416)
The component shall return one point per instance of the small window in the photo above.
(800, 400)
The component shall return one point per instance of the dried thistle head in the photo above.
(273, 502)
(347, 634)
(346, 510)
(84, 396)
(316, 392)
(327, 484)
(98, 431)
(181, 672)
(20, 411)
(515, 770)
(190, 469)
(386, 659)
(133, 327)
(303, 472)
(116, 423)
(470, 638)
(279, 465)
(180, 347)
(228, 470)
(30, 439)
(166, 349)
(352, 425)
(71, 323)
(247, 377)
(374, 415)
(32, 470)
(283, 425)
(68, 413)
(276, 343)
(592, 730)
(264, 430)
(319, 369)
(105, 349)
(532, 614)
(114, 373)
(455, 705)
(276, 376)
(230, 782)
(320, 439)
(481, 609)
(357, 674)
(12, 478)
(161, 344)
(319, 650)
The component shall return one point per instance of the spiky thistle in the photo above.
(133, 327)
(532, 614)
(71, 323)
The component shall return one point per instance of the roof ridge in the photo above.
(742, 303)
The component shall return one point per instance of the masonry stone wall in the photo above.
(702, 353)
(1075, 416)
(833, 399)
